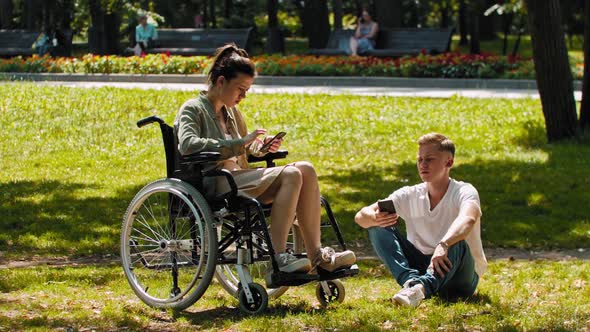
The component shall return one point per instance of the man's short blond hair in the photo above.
(444, 143)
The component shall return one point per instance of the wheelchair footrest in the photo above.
(341, 273)
(278, 279)
(275, 280)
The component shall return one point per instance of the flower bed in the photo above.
(448, 65)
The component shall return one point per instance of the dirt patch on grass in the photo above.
(362, 253)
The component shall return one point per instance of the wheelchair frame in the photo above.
(150, 239)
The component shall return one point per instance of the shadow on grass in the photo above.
(218, 316)
(51, 218)
(526, 204)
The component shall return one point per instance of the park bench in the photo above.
(393, 42)
(17, 42)
(412, 41)
(198, 41)
(338, 43)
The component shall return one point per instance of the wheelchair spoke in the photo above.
(147, 238)
(188, 232)
(144, 223)
(163, 236)
(141, 257)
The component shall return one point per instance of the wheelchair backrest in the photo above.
(191, 173)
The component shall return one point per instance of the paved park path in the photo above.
(362, 86)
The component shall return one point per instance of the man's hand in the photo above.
(370, 216)
(439, 262)
(385, 219)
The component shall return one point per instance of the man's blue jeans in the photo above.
(407, 263)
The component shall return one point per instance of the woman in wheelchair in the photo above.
(211, 122)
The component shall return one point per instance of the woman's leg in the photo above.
(353, 45)
(309, 208)
(283, 193)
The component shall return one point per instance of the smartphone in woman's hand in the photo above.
(268, 144)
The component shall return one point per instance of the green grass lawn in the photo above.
(514, 296)
(72, 159)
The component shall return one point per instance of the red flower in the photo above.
(142, 54)
(423, 51)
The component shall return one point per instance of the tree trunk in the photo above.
(552, 69)
(6, 10)
(33, 11)
(520, 31)
(227, 9)
(462, 23)
(474, 47)
(212, 18)
(103, 34)
(487, 24)
(444, 15)
(274, 42)
(337, 9)
(585, 108)
(316, 23)
(388, 13)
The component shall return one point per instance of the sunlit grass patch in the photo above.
(513, 295)
(72, 159)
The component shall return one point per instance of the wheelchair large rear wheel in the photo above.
(168, 244)
(227, 275)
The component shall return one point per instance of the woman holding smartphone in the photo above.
(365, 34)
(212, 122)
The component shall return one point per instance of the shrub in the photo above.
(447, 65)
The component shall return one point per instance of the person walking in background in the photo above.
(365, 34)
(145, 35)
(442, 253)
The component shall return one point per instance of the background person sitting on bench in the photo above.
(365, 34)
(211, 122)
(145, 35)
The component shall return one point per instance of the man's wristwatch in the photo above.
(444, 245)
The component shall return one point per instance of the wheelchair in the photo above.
(176, 237)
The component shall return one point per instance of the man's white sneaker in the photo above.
(410, 296)
(289, 263)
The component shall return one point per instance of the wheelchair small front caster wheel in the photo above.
(334, 292)
(260, 299)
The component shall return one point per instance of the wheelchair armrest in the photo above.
(269, 157)
(230, 179)
(200, 157)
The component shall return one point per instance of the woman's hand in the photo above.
(251, 137)
(275, 145)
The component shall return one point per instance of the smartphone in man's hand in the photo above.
(268, 144)
(386, 205)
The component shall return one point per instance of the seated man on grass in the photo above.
(442, 254)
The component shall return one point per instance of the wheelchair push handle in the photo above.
(149, 120)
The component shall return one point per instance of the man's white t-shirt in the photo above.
(425, 228)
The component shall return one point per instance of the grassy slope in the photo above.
(72, 159)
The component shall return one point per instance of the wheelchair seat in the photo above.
(177, 235)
